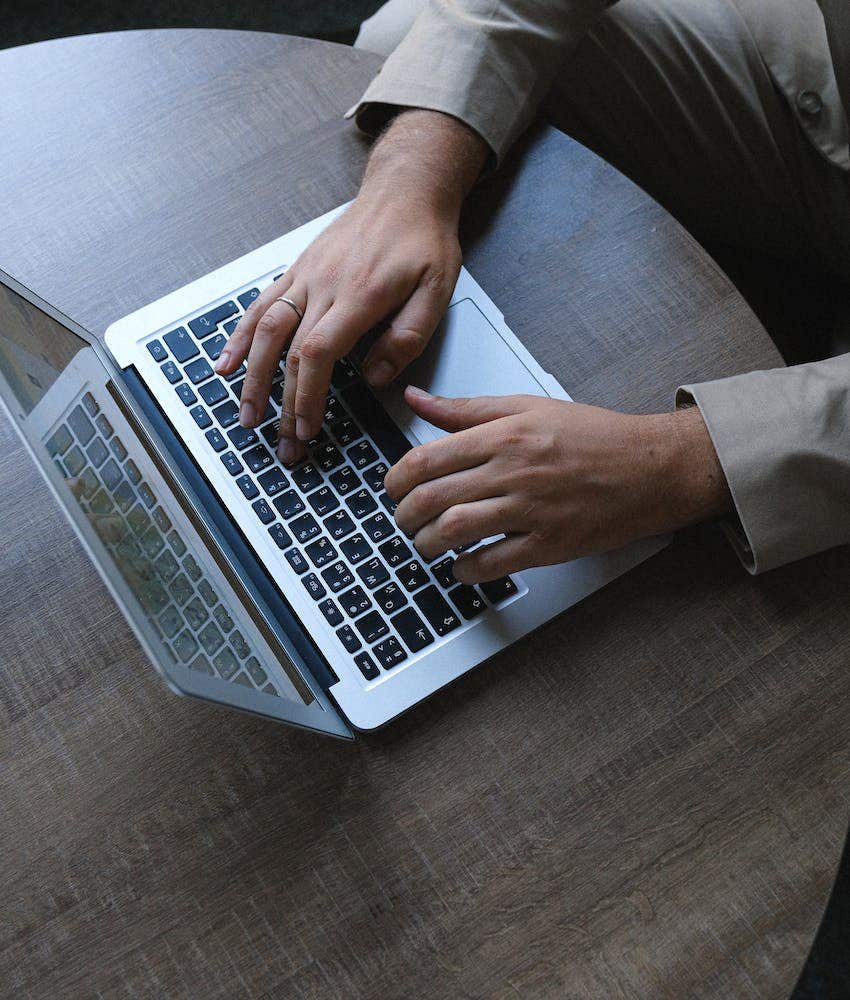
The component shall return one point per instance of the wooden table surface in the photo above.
(645, 799)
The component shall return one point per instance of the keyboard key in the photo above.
(334, 410)
(213, 392)
(171, 372)
(157, 351)
(231, 463)
(273, 481)
(498, 590)
(111, 474)
(433, 605)
(306, 478)
(362, 454)
(355, 548)
(230, 326)
(185, 646)
(279, 536)
(412, 630)
(227, 414)
(395, 551)
(205, 324)
(366, 666)
(242, 437)
(246, 298)
(196, 614)
(263, 511)
(201, 417)
(181, 344)
(373, 573)
(225, 622)
(390, 598)
(193, 570)
(177, 544)
(90, 403)
(80, 424)
(289, 504)
(331, 612)
(124, 496)
(269, 434)
(248, 487)
(372, 627)
(327, 457)
(443, 573)
(171, 621)
(337, 577)
(146, 493)
(133, 473)
(355, 601)
(97, 452)
(181, 589)
(389, 504)
(236, 388)
(61, 441)
(240, 371)
(216, 439)
(361, 503)
(103, 425)
(413, 576)
(314, 586)
(198, 371)
(467, 600)
(256, 672)
(258, 458)
(348, 637)
(321, 552)
(323, 501)
(88, 483)
(376, 422)
(211, 639)
(344, 480)
(378, 527)
(296, 561)
(343, 373)
(304, 528)
(162, 520)
(375, 476)
(345, 431)
(226, 663)
(339, 525)
(214, 345)
(389, 653)
(187, 396)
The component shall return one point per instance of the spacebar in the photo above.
(376, 422)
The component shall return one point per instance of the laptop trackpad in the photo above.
(466, 357)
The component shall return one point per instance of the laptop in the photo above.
(287, 592)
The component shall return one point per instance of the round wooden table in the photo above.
(647, 798)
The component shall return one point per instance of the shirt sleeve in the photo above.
(487, 62)
(783, 439)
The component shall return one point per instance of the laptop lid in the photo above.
(211, 629)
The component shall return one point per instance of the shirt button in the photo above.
(809, 102)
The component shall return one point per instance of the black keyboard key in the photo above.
(332, 614)
(171, 372)
(372, 627)
(201, 417)
(289, 504)
(339, 525)
(366, 666)
(263, 511)
(389, 653)
(433, 605)
(230, 326)
(334, 410)
(337, 577)
(306, 478)
(323, 501)
(373, 573)
(186, 394)
(355, 548)
(297, 561)
(279, 536)
(304, 528)
(348, 637)
(498, 590)
(276, 393)
(273, 481)
(157, 351)
(375, 476)
(362, 454)
(81, 425)
(269, 434)
(258, 458)
(227, 414)
(181, 344)
(240, 371)
(198, 371)
(236, 388)
(378, 527)
(443, 573)
(344, 480)
(327, 457)
(395, 551)
(231, 463)
(390, 598)
(413, 576)
(97, 452)
(467, 600)
(213, 392)
(346, 431)
(314, 586)
(343, 373)
(246, 298)
(389, 504)
(248, 487)
(216, 439)
(242, 437)
(213, 347)
(412, 630)
(201, 326)
(321, 552)
(376, 422)
(361, 503)
(355, 601)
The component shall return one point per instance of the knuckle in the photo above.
(267, 328)
(316, 347)
(451, 523)
(292, 359)
(408, 340)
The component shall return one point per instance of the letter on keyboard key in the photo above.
(306, 478)
(361, 503)
(181, 344)
(327, 457)
(390, 598)
(467, 600)
(443, 573)
(323, 501)
(257, 458)
(412, 630)
(337, 577)
(355, 548)
(321, 552)
(389, 653)
(366, 666)
(348, 637)
(395, 551)
(413, 576)
(289, 504)
(362, 454)
(304, 528)
(227, 414)
(339, 525)
(373, 573)
(344, 480)
(372, 627)
(273, 481)
(499, 590)
(438, 613)
(375, 476)
(241, 437)
(378, 527)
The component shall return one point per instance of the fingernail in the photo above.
(414, 390)
(223, 361)
(286, 451)
(379, 371)
(301, 431)
(247, 415)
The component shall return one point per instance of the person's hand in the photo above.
(393, 252)
(559, 480)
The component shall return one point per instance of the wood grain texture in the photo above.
(647, 798)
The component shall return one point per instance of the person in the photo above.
(731, 113)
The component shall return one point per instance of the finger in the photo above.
(446, 455)
(236, 349)
(410, 331)
(271, 337)
(461, 412)
(466, 523)
(498, 559)
(428, 500)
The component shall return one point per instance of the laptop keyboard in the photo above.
(192, 620)
(329, 515)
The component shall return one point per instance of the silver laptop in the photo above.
(286, 592)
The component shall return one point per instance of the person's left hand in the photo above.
(559, 480)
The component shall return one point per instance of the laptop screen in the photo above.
(205, 638)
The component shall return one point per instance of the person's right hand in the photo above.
(393, 253)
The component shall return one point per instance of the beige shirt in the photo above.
(782, 436)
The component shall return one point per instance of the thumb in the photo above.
(460, 412)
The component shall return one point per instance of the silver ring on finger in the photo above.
(292, 305)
